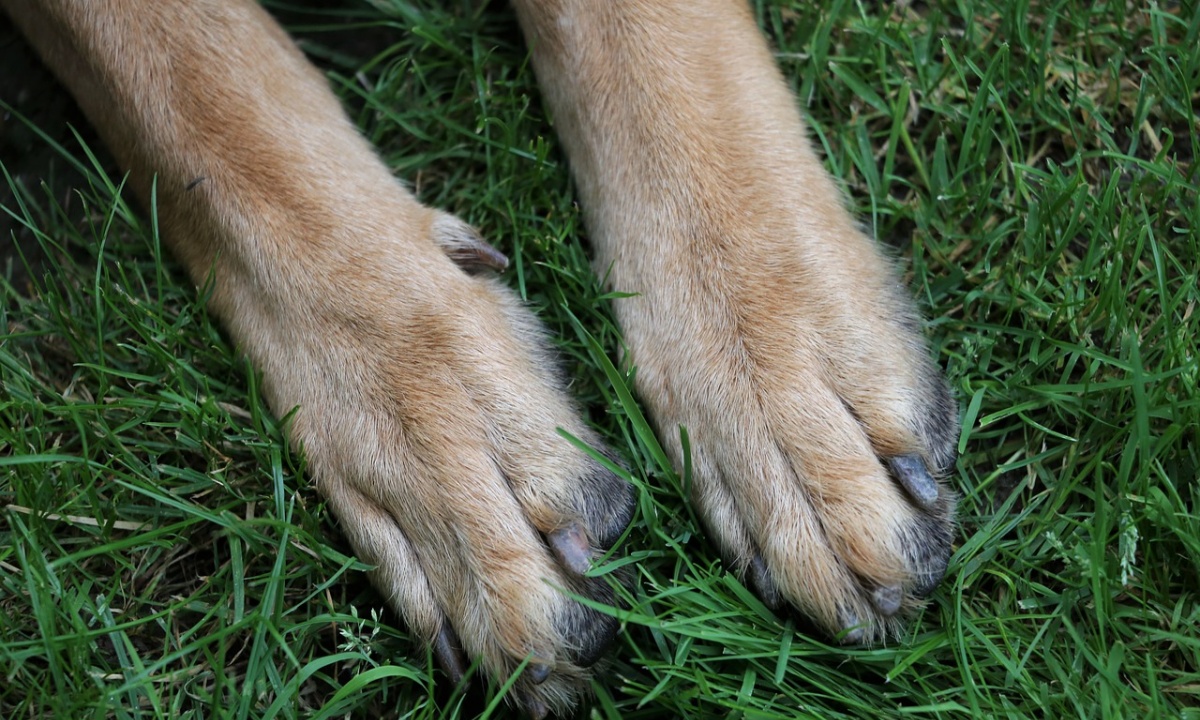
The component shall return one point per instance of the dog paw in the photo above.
(756, 314)
(427, 405)
(818, 426)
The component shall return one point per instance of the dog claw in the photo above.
(537, 673)
(534, 708)
(768, 592)
(911, 472)
(855, 634)
(463, 244)
(476, 257)
(570, 546)
(887, 599)
(449, 656)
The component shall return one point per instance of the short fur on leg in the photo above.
(759, 316)
(425, 397)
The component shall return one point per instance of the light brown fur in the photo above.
(763, 320)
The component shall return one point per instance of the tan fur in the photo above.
(763, 321)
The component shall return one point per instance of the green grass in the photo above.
(1033, 164)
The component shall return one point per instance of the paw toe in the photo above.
(588, 633)
(607, 504)
(927, 547)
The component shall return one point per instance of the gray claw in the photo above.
(449, 656)
(854, 633)
(474, 258)
(768, 592)
(534, 708)
(463, 244)
(570, 546)
(537, 672)
(887, 599)
(911, 472)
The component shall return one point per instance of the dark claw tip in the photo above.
(464, 246)
(768, 592)
(887, 599)
(534, 708)
(446, 650)
(537, 672)
(570, 546)
(479, 257)
(854, 631)
(911, 472)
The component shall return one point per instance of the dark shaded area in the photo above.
(27, 88)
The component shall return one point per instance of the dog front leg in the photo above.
(760, 318)
(427, 406)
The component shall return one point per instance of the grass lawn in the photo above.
(1034, 167)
